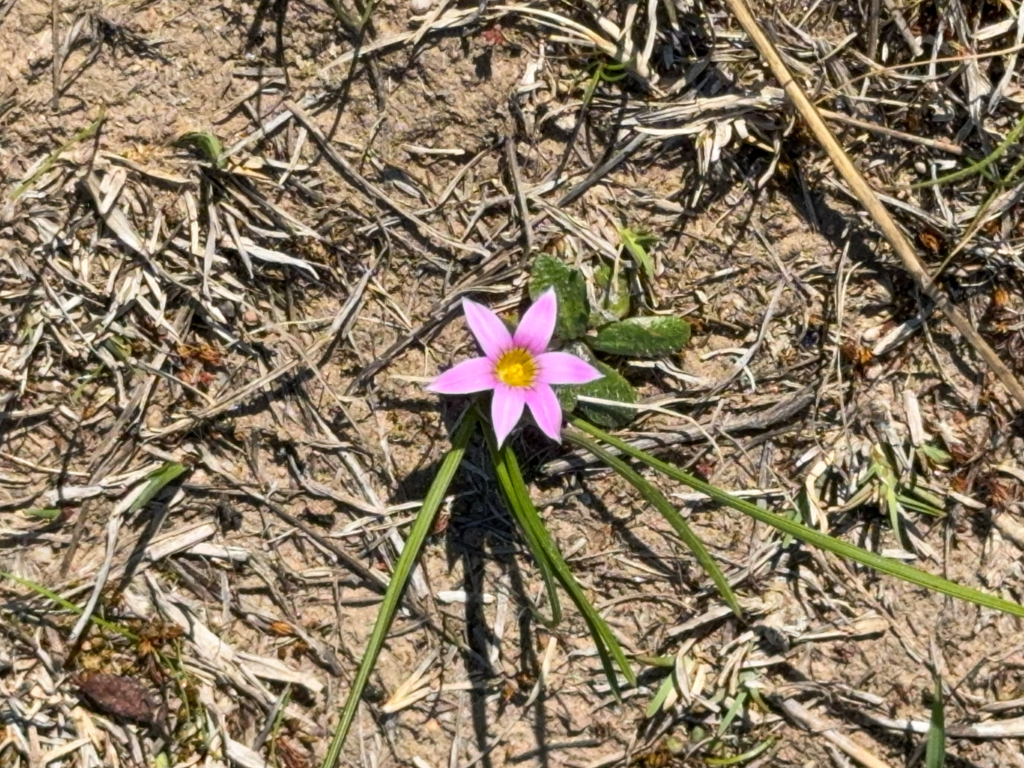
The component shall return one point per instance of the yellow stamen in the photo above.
(517, 368)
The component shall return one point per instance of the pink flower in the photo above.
(516, 367)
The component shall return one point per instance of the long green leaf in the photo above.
(750, 754)
(809, 535)
(734, 709)
(509, 475)
(661, 696)
(657, 499)
(86, 133)
(517, 500)
(157, 481)
(403, 568)
(935, 751)
(1011, 138)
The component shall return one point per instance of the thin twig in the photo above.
(924, 141)
(55, 34)
(802, 717)
(517, 186)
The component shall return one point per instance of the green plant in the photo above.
(896, 480)
(513, 366)
(935, 749)
(596, 315)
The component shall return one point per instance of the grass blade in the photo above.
(935, 751)
(510, 477)
(49, 594)
(156, 482)
(403, 568)
(86, 133)
(1011, 139)
(734, 709)
(514, 496)
(750, 754)
(657, 499)
(661, 696)
(207, 144)
(809, 535)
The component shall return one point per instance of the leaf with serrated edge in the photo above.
(642, 337)
(571, 290)
(612, 386)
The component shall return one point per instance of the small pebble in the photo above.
(249, 317)
(420, 6)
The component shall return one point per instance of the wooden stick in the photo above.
(808, 721)
(57, 62)
(859, 186)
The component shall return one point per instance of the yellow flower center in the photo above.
(517, 368)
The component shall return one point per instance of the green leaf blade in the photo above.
(571, 291)
(158, 480)
(935, 749)
(207, 144)
(403, 569)
(612, 387)
(657, 499)
(661, 696)
(544, 548)
(643, 337)
(809, 535)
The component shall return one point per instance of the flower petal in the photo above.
(506, 409)
(538, 323)
(563, 368)
(491, 334)
(546, 410)
(474, 375)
